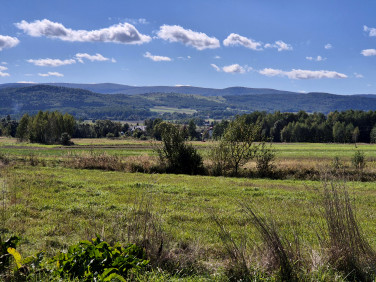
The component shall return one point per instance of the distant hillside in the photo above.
(112, 88)
(86, 104)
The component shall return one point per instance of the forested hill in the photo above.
(90, 105)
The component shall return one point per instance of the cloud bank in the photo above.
(302, 74)
(123, 33)
(157, 58)
(8, 42)
(198, 40)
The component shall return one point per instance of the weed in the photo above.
(348, 249)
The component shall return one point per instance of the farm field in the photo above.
(52, 206)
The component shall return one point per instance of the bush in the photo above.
(65, 139)
(359, 160)
(264, 160)
(98, 261)
(175, 154)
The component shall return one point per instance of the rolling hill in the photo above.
(82, 103)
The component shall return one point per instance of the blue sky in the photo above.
(297, 45)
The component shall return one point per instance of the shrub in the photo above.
(97, 260)
(236, 147)
(175, 154)
(65, 139)
(264, 159)
(358, 160)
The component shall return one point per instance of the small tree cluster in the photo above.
(46, 128)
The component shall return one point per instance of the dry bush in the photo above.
(347, 249)
(278, 254)
(93, 160)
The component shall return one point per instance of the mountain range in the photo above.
(122, 102)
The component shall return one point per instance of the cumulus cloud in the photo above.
(371, 30)
(328, 46)
(124, 33)
(51, 62)
(235, 40)
(368, 52)
(302, 74)
(279, 45)
(198, 40)
(51, 74)
(157, 58)
(92, 58)
(317, 59)
(8, 42)
(234, 68)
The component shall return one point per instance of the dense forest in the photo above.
(340, 127)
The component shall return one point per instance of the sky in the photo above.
(296, 45)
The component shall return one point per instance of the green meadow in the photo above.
(51, 205)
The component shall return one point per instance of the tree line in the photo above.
(341, 127)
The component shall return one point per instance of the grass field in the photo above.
(52, 206)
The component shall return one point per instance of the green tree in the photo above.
(23, 128)
(237, 146)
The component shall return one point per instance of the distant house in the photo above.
(138, 127)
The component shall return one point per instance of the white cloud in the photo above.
(51, 62)
(216, 67)
(328, 46)
(317, 59)
(217, 57)
(368, 52)
(182, 85)
(198, 40)
(371, 30)
(358, 75)
(8, 42)
(113, 60)
(2, 73)
(92, 58)
(25, 81)
(235, 40)
(279, 45)
(51, 74)
(234, 68)
(124, 33)
(157, 58)
(4, 63)
(302, 74)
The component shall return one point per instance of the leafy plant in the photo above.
(359, 160)
(5, 256)
(97, 260)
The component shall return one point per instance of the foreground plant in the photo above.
(98, 261)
